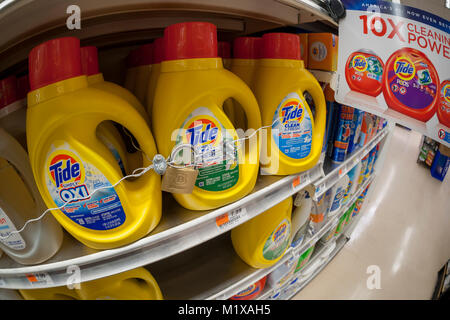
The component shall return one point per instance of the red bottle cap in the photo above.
(224, 50)
(8, 91)
(145, 54)
(23, 87)
(190, 40)
(54, 60)
(281, 46)
(158, 50)
(89, 60)
(247, 48)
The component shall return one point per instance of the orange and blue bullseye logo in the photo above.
(446, 92)
(360, 63)
(278, 234)
(202, 132)
(404, 68)
(67, 174)
(292, 111)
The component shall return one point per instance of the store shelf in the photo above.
(116, 22)
(296, 252)
(325, 76)
(295, 288)
(333, 173)
(179, 230)
(229, 273)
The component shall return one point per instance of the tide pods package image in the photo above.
(322, 51)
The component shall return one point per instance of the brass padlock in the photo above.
(179, 180)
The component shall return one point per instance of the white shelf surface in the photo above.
(227, 287)
(179, 230)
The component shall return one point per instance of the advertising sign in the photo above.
(394, 61)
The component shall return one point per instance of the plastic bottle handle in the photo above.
(245, 97)
(18, 157)
(317, 94)
(132, 123)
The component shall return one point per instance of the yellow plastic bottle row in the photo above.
(136, 284)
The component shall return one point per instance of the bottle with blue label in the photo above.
(337, 195)
(441, 163)
(73, 169)
(353, 176)
(370, 163)
(355, 130)
(294, 142)
(20, 201)
(342, 134)
(364, 164)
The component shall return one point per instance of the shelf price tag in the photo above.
(38, 279)
(230, 219)
(320, 188)
(2, 283)
(296, 182)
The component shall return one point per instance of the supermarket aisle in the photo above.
(404, 230)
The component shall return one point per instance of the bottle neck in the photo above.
(244, 62)
(56, 89)
(191, 64)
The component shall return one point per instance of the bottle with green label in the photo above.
(262, 241)
(187, 109)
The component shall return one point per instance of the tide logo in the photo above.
(67, 173)
(446, 92)
(202, 132)
(278, 235)
(360, 63)
(404, 68)
(292, 110)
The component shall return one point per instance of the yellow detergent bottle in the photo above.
(262, 241)
(131, 63)
(193, 71)
(224, 52)
(158, 56)
(109, 133)
(144, 67)
(246, 52)
(70, 163)
(13, 109)
(20, 201)
(136, 284)
(294, 141)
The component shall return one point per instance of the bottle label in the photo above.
(247, 292)
(318, 51)
(412, 83)
(366, 66)
(292, 127)
(70, 179)
(304, 258)
(14, 241)
(277, 241)
(219, 169)
(337, 199)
